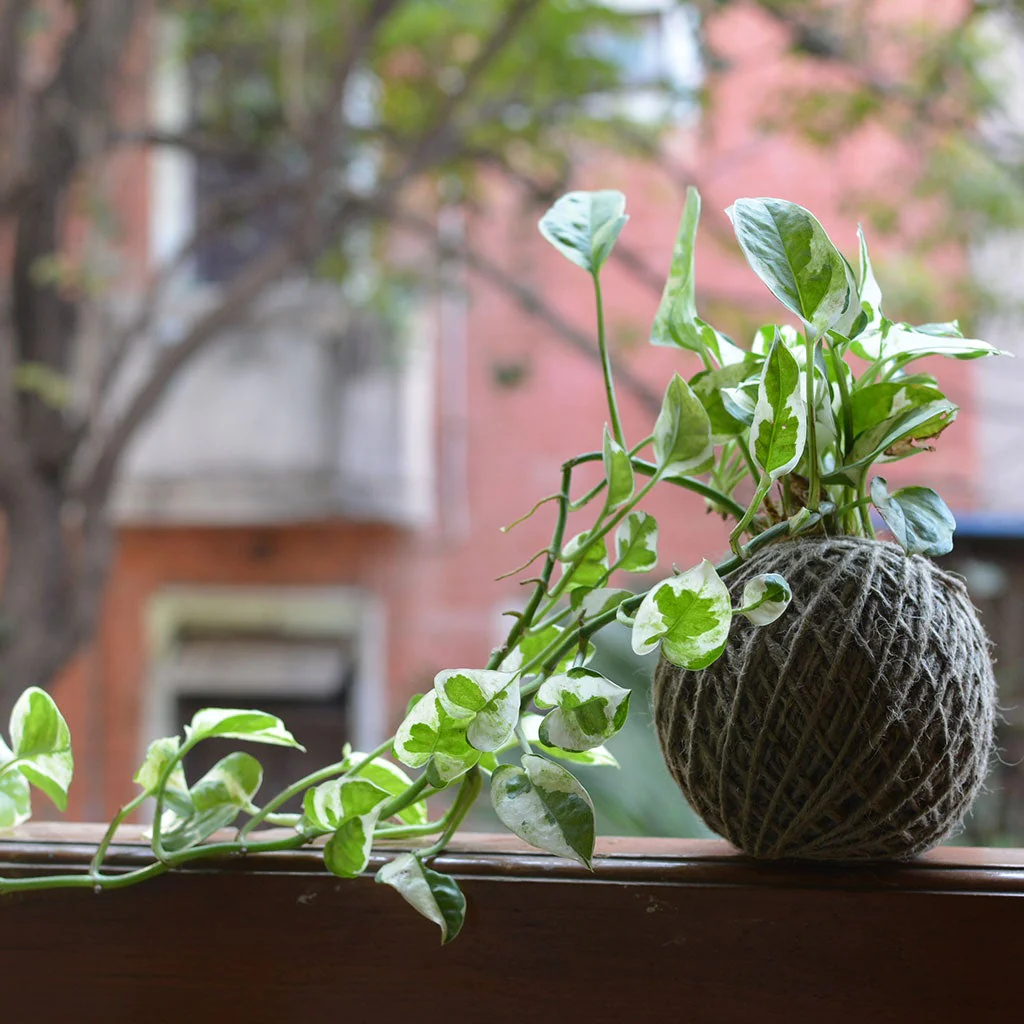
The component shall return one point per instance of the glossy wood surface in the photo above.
(662, 930)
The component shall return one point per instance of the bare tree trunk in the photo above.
(38, 631)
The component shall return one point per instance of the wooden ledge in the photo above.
(682, 928)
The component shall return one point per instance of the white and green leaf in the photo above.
(919, 520)
(676, 322)
(589, 558)
(588, 604)
(488, 698)
(682, 432)
(789, 250)
(765, 598)
(15, 797)
(636, 543)
(587, 710)
(240, 724)
(882, 402)
(434, 895)
(545, 806)
(429, 735)
(216, 800)
(689, 615)
(389, 777)
(618, 471)
(532, 644)
(894, 438)
(41, 741)
(583, 226)
(779, 427)
(350, 808)
(709, 385)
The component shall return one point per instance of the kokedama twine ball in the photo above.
(858, 725)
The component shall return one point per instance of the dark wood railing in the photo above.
(662, 930)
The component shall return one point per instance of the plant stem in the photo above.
(838, 368)
(606, 367)
(812, 427)
(313, 779)
(469, 789)
(525, 620)
(864, 497)
(689, 483)
(736, 536)
(108, 836)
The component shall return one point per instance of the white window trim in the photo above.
(347, 614)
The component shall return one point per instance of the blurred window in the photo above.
(659, 60)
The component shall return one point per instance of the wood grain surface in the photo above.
(675, 930)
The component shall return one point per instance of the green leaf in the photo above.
(595, 757)
(894, 438)
(708, 386)
(583, 226)
(41, 741)
(870, 293)
(489, 699)
(765, 598)
(159, 754)
(545, 806)
(682, 432)
(788, 249)
(636, 542)
(918, 518)
(436, 896)
(329, 805)
(349, 808)
(779, 428)
(15, 798)
(591, 603)
(878, 403)
(430, 734)
(618, 471)
(588, 709)
(240, 724)
(392, 780)
(533, 644)
(592, 570)
(227, 788)
(903, 343)
(689, 614)
(676, 322)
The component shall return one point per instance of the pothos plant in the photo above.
(782, 436)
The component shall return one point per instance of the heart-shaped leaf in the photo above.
(41, 742)
(240, 724)
(430, 734)
(779, 427)
(789, 250)
(682, 432)
(545, 806)
(436, 896)
(765, 598)
(588, 709)
(919, 519)
(636, 542)
(583, 226)
(689, 615)
(488, 699)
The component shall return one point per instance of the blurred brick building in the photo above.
(311, 523)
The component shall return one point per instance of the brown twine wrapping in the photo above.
(857, 725)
